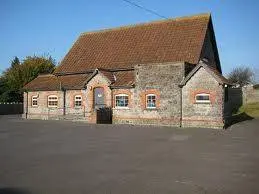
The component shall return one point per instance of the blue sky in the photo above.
(31, 27)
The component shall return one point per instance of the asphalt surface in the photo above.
(67, 157)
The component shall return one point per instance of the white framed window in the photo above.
(151, 101)
(34, 101)
(202, 98)
(121, 100)
(52, 101)
(78, 101)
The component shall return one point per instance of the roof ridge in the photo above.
(196, 16)
(46, 75)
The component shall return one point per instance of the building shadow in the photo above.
(13, 191)
(237, 119)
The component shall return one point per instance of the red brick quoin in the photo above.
(202, 91)
(122, 91)
(145, 93)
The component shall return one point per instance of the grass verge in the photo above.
(251, 109)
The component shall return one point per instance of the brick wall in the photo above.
(238, 97)
(250, 94)
(161, 80)
(98, 81)
(86, 112)
(42, 111)
(71, 109)
(202, 114)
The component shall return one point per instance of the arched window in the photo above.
(52, 101)
(34, 101)
(151, 101)
(78, 101)
(202, 98)
(121, 100)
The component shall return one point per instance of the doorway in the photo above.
(103, 113)
(98, 98)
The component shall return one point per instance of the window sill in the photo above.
(149, 109)
(34, 106)
(202, 103)
(78, 107)
(121, 108)
(52, 107)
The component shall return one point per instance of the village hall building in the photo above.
(164, 72)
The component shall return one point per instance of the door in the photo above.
(98, 98)
(104, 115)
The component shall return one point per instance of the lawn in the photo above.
(251, 109)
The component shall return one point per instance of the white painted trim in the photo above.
(149, 107)
(34, 98)
(52, 96)
(202, 101)
(76, 96)
(122, 107)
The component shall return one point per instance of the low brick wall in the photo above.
(11, 108)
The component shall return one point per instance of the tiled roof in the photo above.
(171, 40)
(109, 75)
(214, 72)
(219, 76)
(52, 82)
(43, 82)
(73, 81)
(124, 78)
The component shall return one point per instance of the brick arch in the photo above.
(72, 100)
(204, 91)
(123, 91)
(93, 94)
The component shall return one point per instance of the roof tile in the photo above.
(170, 40)
(52, 82)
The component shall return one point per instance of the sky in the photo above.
(49, 27)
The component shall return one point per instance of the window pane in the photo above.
(53, 103)
(151, 101)
(203, 97)
(122, 101)
(34, 101)
(78, 103)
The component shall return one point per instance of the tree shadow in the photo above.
(237, 119)
(8, 190)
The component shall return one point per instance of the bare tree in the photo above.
(241, 76)
(256, 75)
